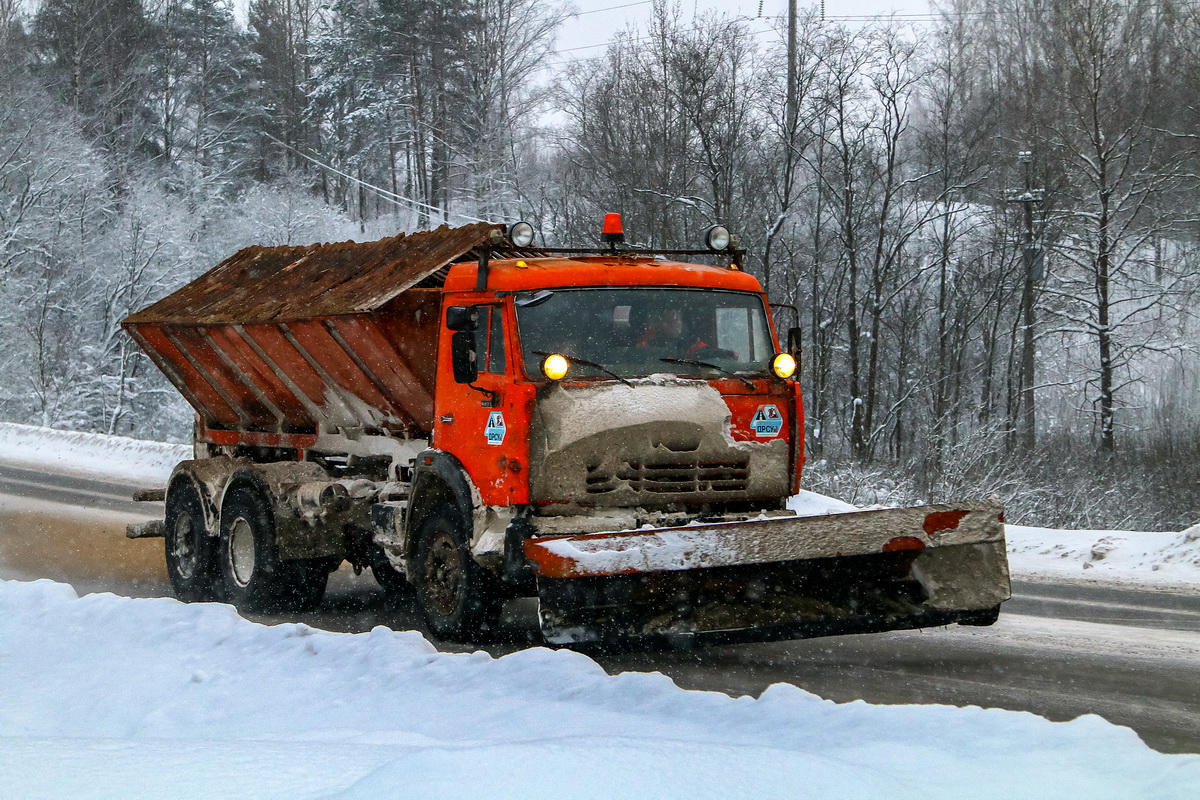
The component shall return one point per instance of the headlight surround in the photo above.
(717, 238)
(783, 365)
(555, 366)
(520, 234)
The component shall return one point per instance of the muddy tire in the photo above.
(304, 583)
(455, 594)
(254, 577)
(191, 554)
(393, 581)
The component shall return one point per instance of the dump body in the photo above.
(388, 403)
(296, 340)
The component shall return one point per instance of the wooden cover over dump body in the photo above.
(283, 339)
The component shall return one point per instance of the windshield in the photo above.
(636, 332)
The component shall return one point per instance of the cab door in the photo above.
(482, 423)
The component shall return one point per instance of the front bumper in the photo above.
(792, 577)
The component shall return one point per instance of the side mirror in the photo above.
(462, 355)
(795, 346)
(462, 318)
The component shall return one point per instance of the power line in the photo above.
(378, 190)
(760, 16)
(612, 8)
(927, 17)
(935, 16)
(651, 37)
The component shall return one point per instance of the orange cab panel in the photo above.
(486, 425)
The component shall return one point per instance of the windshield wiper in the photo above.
(717, 367)
(531, 299)
(584, 362)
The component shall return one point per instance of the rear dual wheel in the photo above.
(254, 577)
(190, 551)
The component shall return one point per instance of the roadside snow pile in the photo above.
(1131, 558)
(811, 504)
(103, 697)
(91, 455)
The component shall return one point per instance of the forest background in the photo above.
(988, 224)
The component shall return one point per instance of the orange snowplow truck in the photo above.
(475, 419)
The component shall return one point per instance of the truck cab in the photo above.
(631, 383)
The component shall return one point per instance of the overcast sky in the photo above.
(597, 21)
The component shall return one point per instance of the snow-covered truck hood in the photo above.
(650, 443)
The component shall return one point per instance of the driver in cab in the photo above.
(667, 336)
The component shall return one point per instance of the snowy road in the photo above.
(1059, 651)
(73, 490)
(1142, 609)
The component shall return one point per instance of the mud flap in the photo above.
(151, 529)
(794, 577)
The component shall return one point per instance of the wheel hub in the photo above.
(241, 552)
(185, 548)
(443, 574)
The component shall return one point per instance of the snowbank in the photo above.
(1132, 559)
(92, 455)
(811, 504)
(104, 696)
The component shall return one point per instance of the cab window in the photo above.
(495, 360)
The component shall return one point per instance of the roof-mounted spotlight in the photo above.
(520, 234)
(719, 238)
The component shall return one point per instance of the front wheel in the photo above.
(190, 551)
(455, 594)
(394, 582)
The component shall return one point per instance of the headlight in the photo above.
(783, 365)
(555, 367)
(520, 234)
(717, 237)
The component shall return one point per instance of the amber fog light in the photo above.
(783, 365)
(555, 367)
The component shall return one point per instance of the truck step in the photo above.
(155, 528)
(150, 495)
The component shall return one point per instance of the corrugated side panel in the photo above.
(261, 285)
(348, 371)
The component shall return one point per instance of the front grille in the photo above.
(672, 478)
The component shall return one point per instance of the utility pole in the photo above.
(792, 111)
(1033, 258)
(791, 116)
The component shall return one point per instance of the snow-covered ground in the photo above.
(90, 455)
(1130, 559)
(111, 697)
(1153, 560)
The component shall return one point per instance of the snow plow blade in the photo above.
(782, 578)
